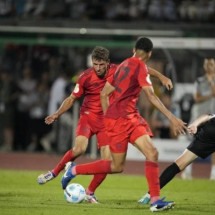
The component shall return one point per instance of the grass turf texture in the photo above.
(21, 195)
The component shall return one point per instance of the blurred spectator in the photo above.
(54, 68)
(77, 9)
(34, 7)
(8, 98)
(57, 95)
(133, 10)
(9, 58)
(169, 10)
(95, 10)
(121, 10)
(205, 89)
(204, 103)
(6, 8)
(27, 85)
(38, 111)
(143, 7)
(186, 104)
(155, 10)
(159, 123)
(20, 7)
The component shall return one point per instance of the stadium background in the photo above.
(54, 37)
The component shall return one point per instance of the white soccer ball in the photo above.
(74, 193)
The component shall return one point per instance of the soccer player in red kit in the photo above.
(124, 124)
(89, 85)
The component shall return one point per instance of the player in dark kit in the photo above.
(124, 124)
(89, 85)
(202, 145)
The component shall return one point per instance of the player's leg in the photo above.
(83, 132)
(79, 148)
(145, 145)
(97, 167)
(169, 173)
(185, 159)
(118, 148)
(98, 178)
(115, 165)
(180, 164)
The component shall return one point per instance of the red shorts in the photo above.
(122, 131)
(90, 124)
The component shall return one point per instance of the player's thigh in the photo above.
(185, 159)
(105, 152)
(145, 145)
(80, 145)
(102, 138)
(118, 161)
(84, 127)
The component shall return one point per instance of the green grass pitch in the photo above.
(21, 195)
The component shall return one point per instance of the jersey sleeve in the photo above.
(79, 88)
(143, 76)
(110, 79)
(112, 69)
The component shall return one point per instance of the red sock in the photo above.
(96, 167)
(152, 176)
(68, 156)
(96, 181)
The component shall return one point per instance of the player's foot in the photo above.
(43, 178)
(144, 199)
(68, 176)
(91, 198)
(67, 165)
(161, 205)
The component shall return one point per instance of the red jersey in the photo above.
(129, 78)
(90, 85)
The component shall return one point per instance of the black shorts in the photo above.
(201, 149)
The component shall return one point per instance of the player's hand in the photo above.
(192, 129)
(51, 118)
(178, 126)
(167, 83)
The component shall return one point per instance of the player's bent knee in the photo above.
(79, 151)
(117, 169)
(152, 155)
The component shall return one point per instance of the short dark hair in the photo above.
(100, 53)
(144, 44)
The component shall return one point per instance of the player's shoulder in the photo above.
(135, 61)
(85, 74)
(112, 68)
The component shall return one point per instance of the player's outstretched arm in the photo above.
(179, 127)
(104, 96)
(163, 79)
(192, 128)
(65, 106)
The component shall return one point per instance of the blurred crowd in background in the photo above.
(35, 79)
(163, 10)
